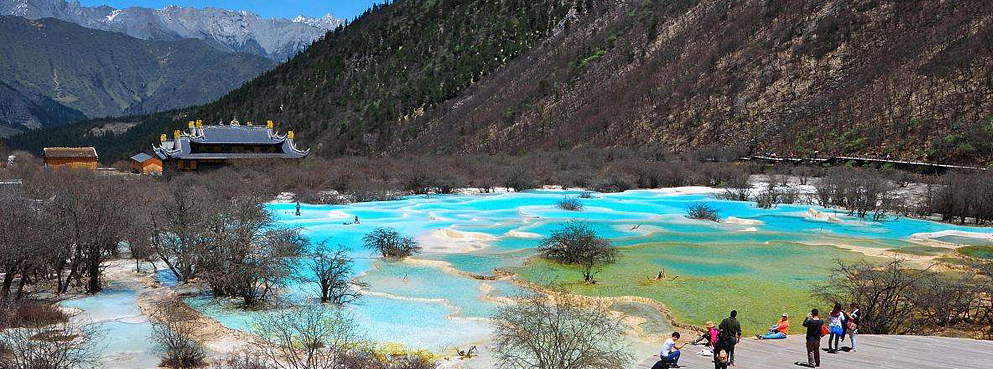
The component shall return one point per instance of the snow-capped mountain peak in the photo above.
(328, 21)
(227, 30)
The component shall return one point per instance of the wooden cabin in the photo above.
(207, 147)
(71, 157)
(143, 163)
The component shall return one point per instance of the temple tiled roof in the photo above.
(181, 148)
(236, 135)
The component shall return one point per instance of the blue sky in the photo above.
(267, 8)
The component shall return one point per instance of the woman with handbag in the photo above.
(853, 323)
(835, 328)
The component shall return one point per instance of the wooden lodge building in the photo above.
(207, 147)
(143, 163)
(71, 157)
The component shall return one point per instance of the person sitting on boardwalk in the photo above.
(835, 327)
(813, 323)
(710, 335)
(779, 330)
(670, 351)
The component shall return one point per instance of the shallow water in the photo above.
(426, 306)
(429, 294)
(123, 332)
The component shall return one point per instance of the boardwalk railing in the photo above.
(917, 166)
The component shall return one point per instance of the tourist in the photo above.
(670, 351)
(779, 330)
(730, 334)
(835, 327)
(710, 335)
(813, 323)
(853, 323)
(722, 360)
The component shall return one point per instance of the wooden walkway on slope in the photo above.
(918, 166)
(874, 352)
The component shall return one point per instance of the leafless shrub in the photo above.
(880, 291)
(243, 360)
(702, 211)
(768, 198)
(577, 243)
(539, 332)
(173, 332)
(26, 313)
(390, 243)
(308, 337)
(983, 290)
(65, 345)
(736, 189)
(365, 358)
(518, 178)
(960, 196)
(571, 204)
(859, 191)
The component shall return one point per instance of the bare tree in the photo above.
(559, 332)
(332, 270)
(22, 243)
(183, 227)
(702, 211)
(881, 292)
(738, 188)
(173, 331)
(93, 221)
(390, 243)
(577, 243)
(308, 337)
(65, 345)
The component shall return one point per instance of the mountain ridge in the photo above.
(100, 73)
(883, 78)
(226, 30)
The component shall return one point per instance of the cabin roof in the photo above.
(141, 157)
(70, 152)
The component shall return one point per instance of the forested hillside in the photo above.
(53, 72)
(910, 79)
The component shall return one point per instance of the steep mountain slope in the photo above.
(906, 78)
(21, 112)
(226, 30)
(48, 62)
(349, 91)
(911, 79)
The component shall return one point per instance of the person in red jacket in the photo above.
(779, 330)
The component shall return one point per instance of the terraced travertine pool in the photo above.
(760, 261)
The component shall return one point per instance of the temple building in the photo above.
(207, 147)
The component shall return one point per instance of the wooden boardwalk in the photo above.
(874, 352)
